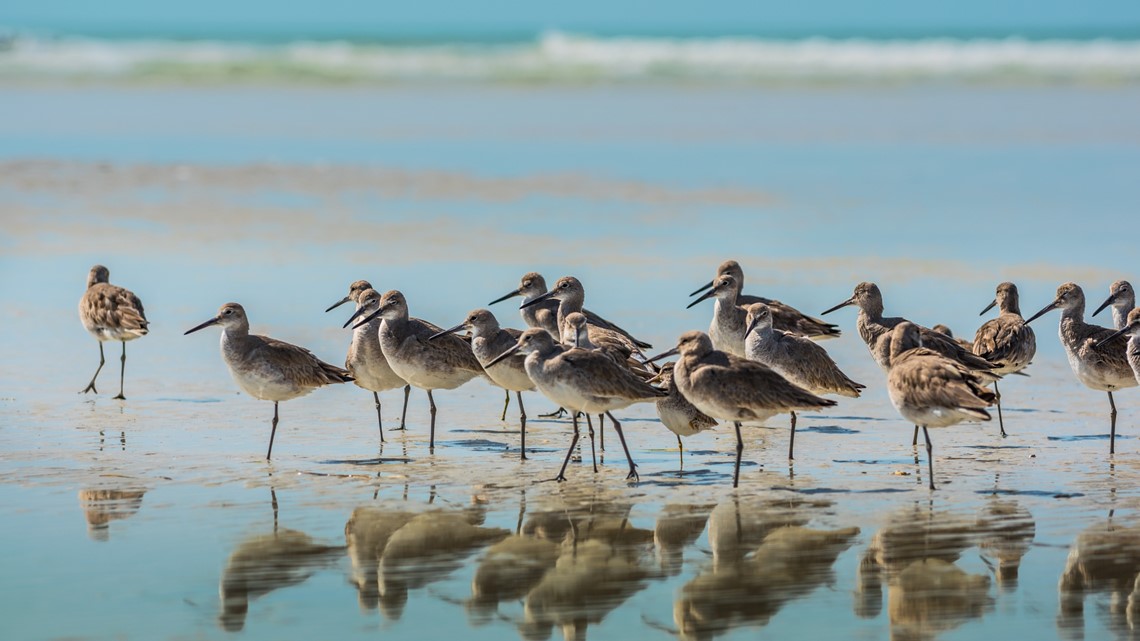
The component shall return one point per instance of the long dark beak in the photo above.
(672, 352)
(338, 304)
(1108, 301)
(546, 296)
(988, 307)
(356, 314)
(751, 326)
(504, 355)
(505, 297)
(707, 285)
(213, 321)
(447, 331)
(849, 301)
(1100, 344)
(1044, 309)
(709, 294)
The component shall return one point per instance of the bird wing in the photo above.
(748, 384)
(298, 364)
(597, 374)
(929, 379)
(113, 306)
(1003, 338)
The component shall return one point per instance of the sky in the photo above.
(481, 16)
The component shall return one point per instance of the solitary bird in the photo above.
(1096, 354)
(930, 390)
(581, 381)
(1006, 341)
(798, 359)
(677, 414)
(366, 362)
(110, 313)
(445, 363)
(266, 368)
(784, 317)
(1122, 298)
(734, 389)
(488, 340)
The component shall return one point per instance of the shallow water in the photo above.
(159, 518)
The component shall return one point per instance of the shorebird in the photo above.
(798, 359)
(945, 329)
(931, 390)
(366, 362)
(1006, 341)
(1122, 298)
(266, 368)
(875, 330)
(544, 314)
(570, 294)
(729, 319)
(784, 317)
(734, 389)
(110, 313)
(488, 340)
(1100, 363)
(445, 363)
(1132, 329)
(581, 381)
(681, 417)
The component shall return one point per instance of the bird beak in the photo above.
(356, 314)
(752, 325)
(213, 321)
(338, 304)
(547, 295)
(504, 355)
(672, 352)
(988, 307)
(1044, 309)
(448, 331)
(1124, 330)
(709, 294)
(707, 285)
(1108, 301)
(849, 301)
(505, 297)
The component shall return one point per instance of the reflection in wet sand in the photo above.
(1007, 531)
(678, 527)
(100, 507)
(1104, 559)
(762, 558)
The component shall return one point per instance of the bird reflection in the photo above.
(678, 527)
(102, 506)
(267, 562)
(1105, 559)
(395, 551)
(914, 554)
(1007, 531)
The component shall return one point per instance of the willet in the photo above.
(366, 362)
(445, 363)
(354, 292)
(797, 358)
(488, 340)
(681, 417)
(571, 296)
(931, 390)
(110, 313)
(729, 319)
(949, 333)
(581, 381)
(1105, 368)
(1132, 329)
(1005, 341)
(875, 330)
(266, 368)
(1122, 298)
(734, 389)
(784, 317)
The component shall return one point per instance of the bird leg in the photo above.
(590, 428)
(122, 370)
(914, 441)
(997, 399)
(681, 450)
(621, 437)
(602, 432)
(573, 442)
(431, 439)
(1112, 418)
(522, 426)
(739, 452)
(792, 440)
(404, 413)
(91, 386)
(379, 421)
(506, 403)
(929, 456)
(272, 432)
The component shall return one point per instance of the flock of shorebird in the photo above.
(758, 360)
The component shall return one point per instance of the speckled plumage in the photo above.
(785, 317)
(110, 313)
(1006, 341)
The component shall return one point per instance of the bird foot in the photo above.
(559, 413)
(633, 475)
(120, 397)
(397, 429)
(89, 388)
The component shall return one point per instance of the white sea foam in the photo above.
(566, 57)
